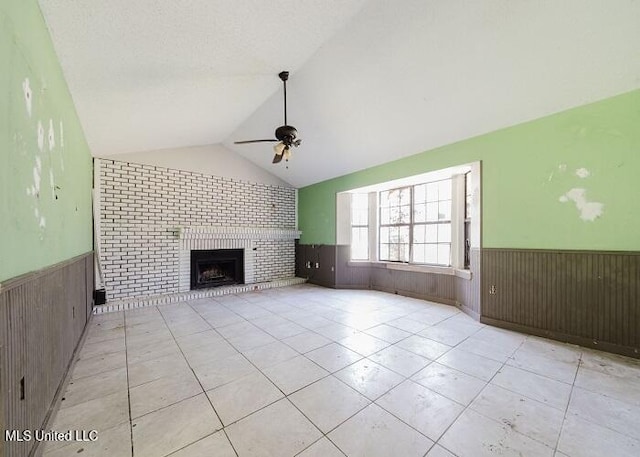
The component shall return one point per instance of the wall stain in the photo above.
(589, 211)
(582, 173)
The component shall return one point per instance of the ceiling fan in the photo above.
(285, 135)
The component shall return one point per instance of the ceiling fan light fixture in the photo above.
(286, 135)
(279, 148)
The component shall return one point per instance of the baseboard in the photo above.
(405, 293)
(165, 299)
(565, 338)
(468, 311)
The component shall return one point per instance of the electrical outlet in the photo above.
(317, 265)
(308, 264)
(492, 289)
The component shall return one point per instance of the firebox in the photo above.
(216, 267)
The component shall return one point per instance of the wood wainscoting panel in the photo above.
(42, 318)
(590, 298)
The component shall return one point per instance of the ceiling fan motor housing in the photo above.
(287, 134)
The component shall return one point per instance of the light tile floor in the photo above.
(307, 371)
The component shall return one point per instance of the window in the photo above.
(432, 223)
(415, 223)
(424, 219)
(467, 220)
(395, 223)
(360, 226)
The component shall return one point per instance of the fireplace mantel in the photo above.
(235, 233)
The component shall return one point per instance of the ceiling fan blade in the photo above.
(277, 158)
(255, 141)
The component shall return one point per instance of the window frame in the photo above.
(352, 226)
(380, 225)
(412, 224)
(467, 220)
(458, 178)
(436, 222)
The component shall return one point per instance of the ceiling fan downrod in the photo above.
(284, 76)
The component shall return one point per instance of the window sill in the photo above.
(464, 274)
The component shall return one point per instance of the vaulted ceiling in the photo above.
(371, 80)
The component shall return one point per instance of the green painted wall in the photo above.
(526, 170)
(37, 229)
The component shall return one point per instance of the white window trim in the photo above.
(343, 224)
(415, 267)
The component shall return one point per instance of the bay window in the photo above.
(421, 220)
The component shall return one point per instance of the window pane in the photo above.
(360, 217)
(468, 196)
(444, 233)
(394, 215)
(360, 201)
(405, 214)
(432, 212)
(444, 210)
(384, 251)
(431, 253)
(384, 234)
(418, 253)
(444, 190)
(444, 254)
(420, 213)
(405, 196)
(404, 234)
(431, 235)
(420, 193)
(384, 216)
(418, 234)
(393, 234)
(394, 197)
(432, 192)
(360, 243)
(384, 199)
(404, 253)
(394, 252)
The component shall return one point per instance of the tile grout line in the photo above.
(318, 311)
(437, 442)
(196, 376)
(566, 410)
(390, 345)
(359, 360)
(126, 359)
(286, 397)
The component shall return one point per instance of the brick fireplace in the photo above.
(151, 218)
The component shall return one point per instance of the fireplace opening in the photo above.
(216, 267)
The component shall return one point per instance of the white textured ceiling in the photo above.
(368, 84)
(156, 74)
